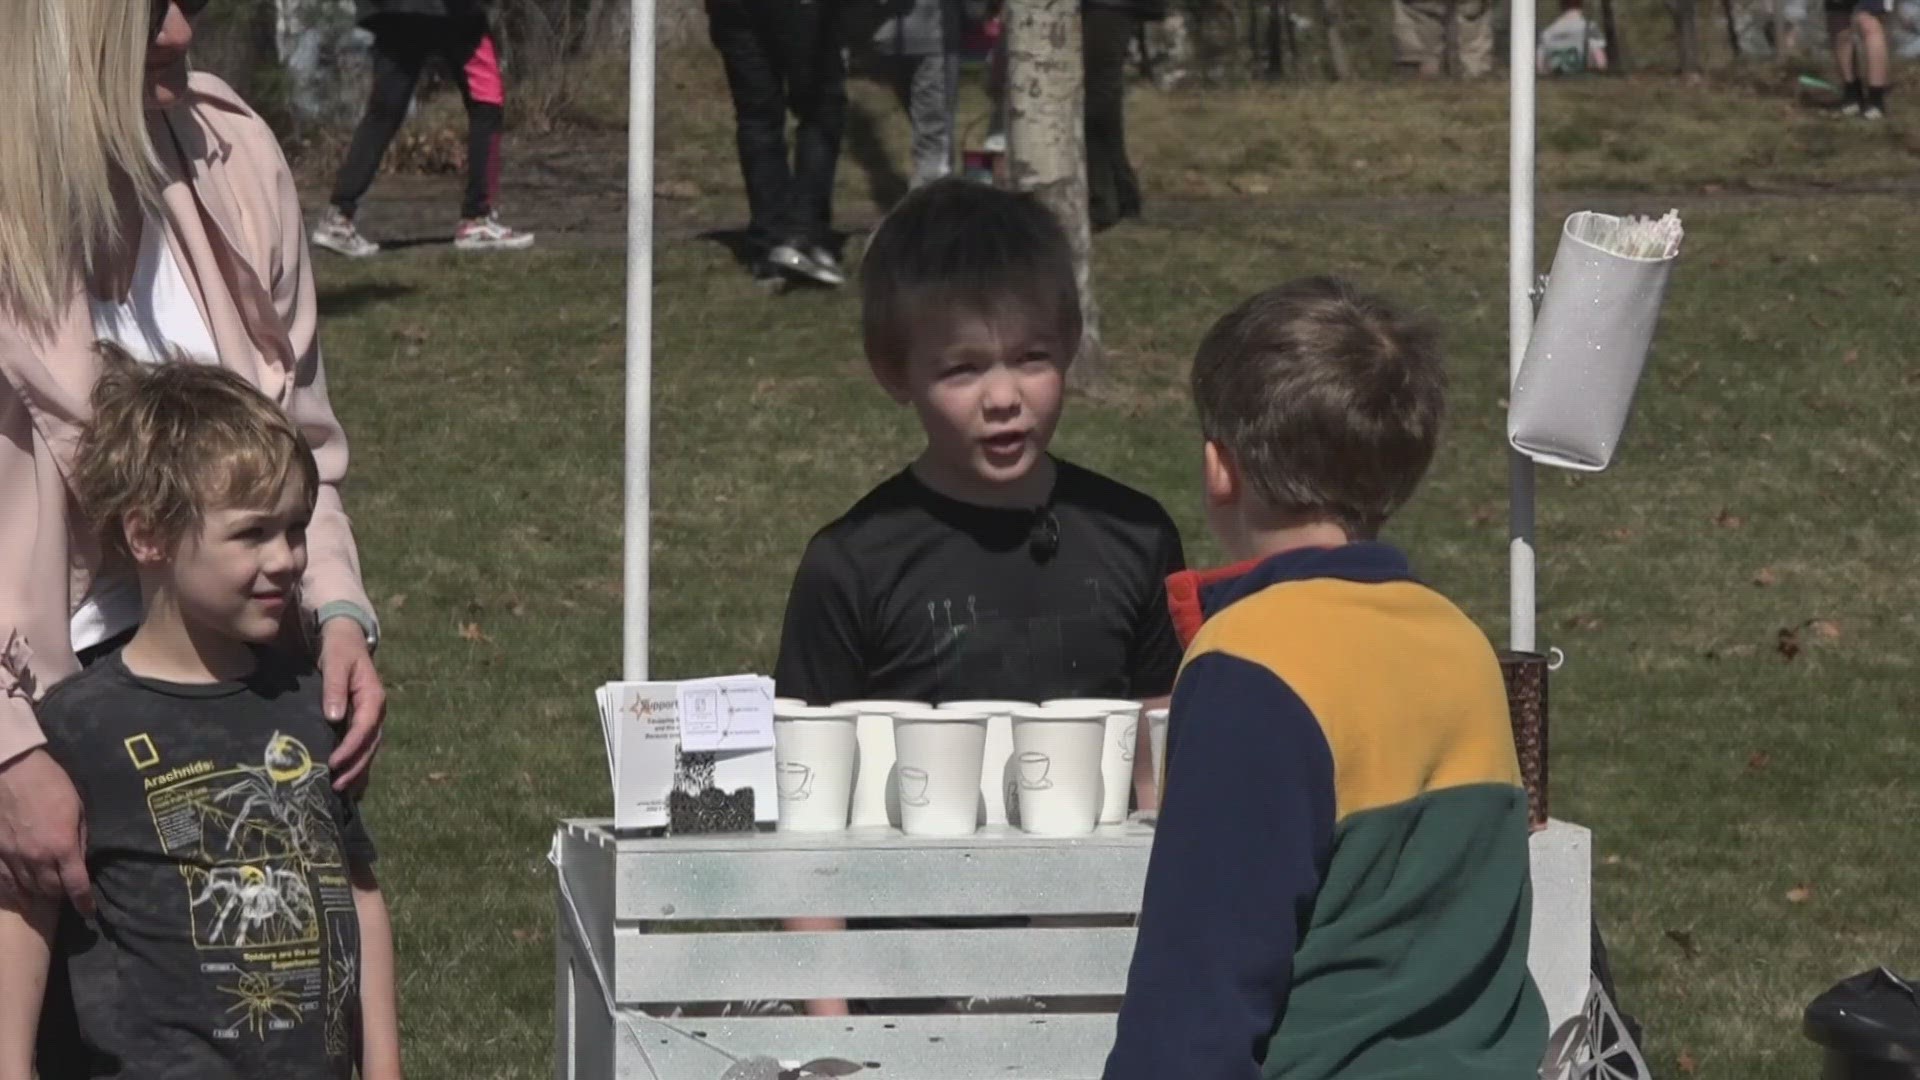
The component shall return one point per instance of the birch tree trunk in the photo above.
(1046, 141)
(1686, 28)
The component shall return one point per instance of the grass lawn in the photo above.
(1754, 805)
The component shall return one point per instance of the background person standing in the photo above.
(407, 34)
(785, 56)
(1864, 22)
(1107, 27)
(918, 43)
(1420, 36)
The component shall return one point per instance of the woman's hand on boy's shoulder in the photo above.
(351, 693)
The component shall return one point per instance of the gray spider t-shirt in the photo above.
(226, 942)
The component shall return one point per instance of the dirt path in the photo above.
(572, 191)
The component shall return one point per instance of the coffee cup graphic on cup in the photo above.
(913, 786)
(1033, 771)
(796, 782)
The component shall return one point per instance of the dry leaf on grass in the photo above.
(1688, 948)
(1622, 533)
(1765, 578)
(1727, 519)
(439, 777)
(1686, 1063)
(471, 632)
(1787, 644)
(1758, 761)
(396, 601)
(1800, 894)
(1824, 629)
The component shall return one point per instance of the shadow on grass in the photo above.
(429, 240)
(341, 300)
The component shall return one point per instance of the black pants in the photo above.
(1113, 192)
(402, 45)
(783, 56)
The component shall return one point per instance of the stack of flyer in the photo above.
(690, 756)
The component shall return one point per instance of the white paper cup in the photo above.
(814, 754)
(997, 805)
(875, 801)
(1157, 742)
(788, 703)
(1056, 760)
(937, 770)
(1116, 755)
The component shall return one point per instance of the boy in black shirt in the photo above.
(987, 568)
(239, 931)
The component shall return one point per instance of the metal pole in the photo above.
(1520, 279)
(639, 337)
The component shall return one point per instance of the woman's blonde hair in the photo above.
(72, 128)
(170, 442)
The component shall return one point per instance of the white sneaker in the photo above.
(337, 234)
(1871, 113)
(488, 234)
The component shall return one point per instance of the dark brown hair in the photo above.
(169, 442)
(956, 244)
(1328, 398)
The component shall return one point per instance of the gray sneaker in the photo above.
(795, 260)
(828, 265)
(337, 234)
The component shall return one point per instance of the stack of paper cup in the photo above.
(1056, 755)
(1116, 755)
(937, 770)
(814, 752)
(788, 703)
(875, 799)
(1157, 742)
(997, 804)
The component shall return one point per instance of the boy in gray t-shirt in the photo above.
(239, 929)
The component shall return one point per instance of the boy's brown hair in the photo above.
(957, 244)
(168, 442)
(1329, 399)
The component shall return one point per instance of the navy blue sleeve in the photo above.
(1237, 855)
(822, 659)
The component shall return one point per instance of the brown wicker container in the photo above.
(1526, 679)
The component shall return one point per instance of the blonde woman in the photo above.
(148, 207)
